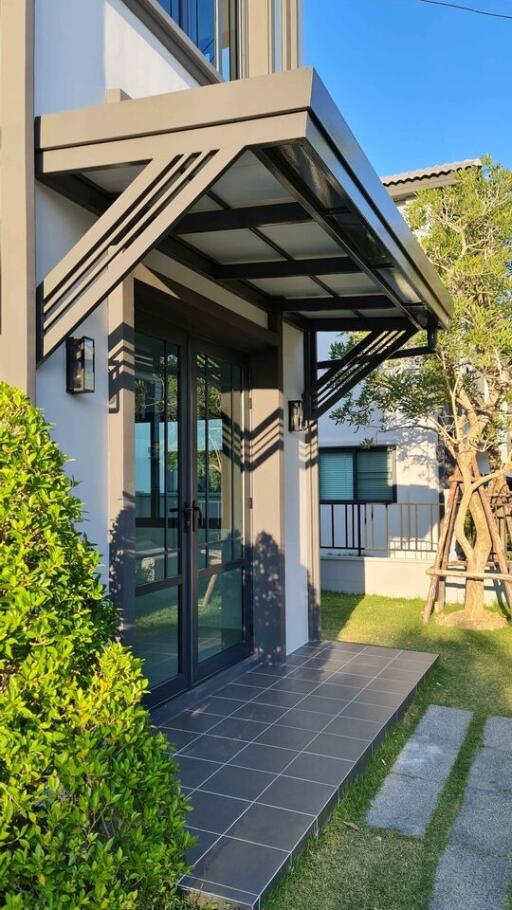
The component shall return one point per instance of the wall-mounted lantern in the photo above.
(80, 365)
(296, 422)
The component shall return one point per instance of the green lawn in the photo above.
(351, 867)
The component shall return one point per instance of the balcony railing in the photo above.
(380, 529)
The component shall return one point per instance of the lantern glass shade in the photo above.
(80, 365)
(296, 422)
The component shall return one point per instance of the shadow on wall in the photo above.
(122, 568)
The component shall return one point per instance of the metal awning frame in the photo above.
(185, 142)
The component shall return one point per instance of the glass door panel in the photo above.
(156, 633)
(219, 505)
(189, 504)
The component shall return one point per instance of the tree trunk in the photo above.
(476, 552)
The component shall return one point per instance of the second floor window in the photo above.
(211, 25)
(357, 475)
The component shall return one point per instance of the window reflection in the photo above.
(157, 505)
(211, 25)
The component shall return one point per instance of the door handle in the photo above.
(197, 516)
(192, 516)
(187, 516)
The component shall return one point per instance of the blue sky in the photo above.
(417, 84)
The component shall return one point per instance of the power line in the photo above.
(467, 9)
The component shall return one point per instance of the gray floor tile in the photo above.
(352, 647)
(304, 720)
(223, 706)
(193, 771)
(484, 823)
(349, 679)
(204, 840)
(401, 673)
(303, 686)
(215, 812)
(323, 705)
(294, 660)
(239, 692)
(277, 670)
(271, 788)
(281, 699)
(243, 783)
(372, 664)
(267, 714)
(290, 793)
(387, 699)
(338, 746)
(178, 739)
(213, 748)
(327, 662)
(344, 693)
(399, 687)
(364, 711)
(377, 651)
(420, 662)
(354, 727)
(258, 680)
(237, 728)
(264, 758)
(286, 737)
(404, 804)
(240, 865)
(273, 827)
(470, 880)
(498, 733)
(315, 676)
(193, 721)
(323, 770)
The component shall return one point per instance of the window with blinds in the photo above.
(357, 475)
(336, 476)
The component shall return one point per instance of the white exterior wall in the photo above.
(296, 534)
(392, 578)
(81, 51)
(80, 421)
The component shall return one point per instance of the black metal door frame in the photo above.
(190, 671)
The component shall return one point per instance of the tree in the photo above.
(464, 390)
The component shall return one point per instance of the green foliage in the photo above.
(91, 814)
(464, 391)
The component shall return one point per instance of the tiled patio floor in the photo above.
(265, 757)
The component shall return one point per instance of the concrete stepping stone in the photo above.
(491, 770)
(498, 734)
(464, 882)
(404, 804)
(476, 868)
(410, 792)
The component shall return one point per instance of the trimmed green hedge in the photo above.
(91, 814)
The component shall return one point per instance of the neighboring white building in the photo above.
(381, 504)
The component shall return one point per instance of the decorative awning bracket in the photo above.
(338, 377)
(121, 237)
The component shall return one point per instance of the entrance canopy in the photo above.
(259, 185)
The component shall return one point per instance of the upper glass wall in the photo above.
(211, 24)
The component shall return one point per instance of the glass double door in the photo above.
(190, 607)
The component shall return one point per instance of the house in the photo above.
(381, 492)
(183, 210)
